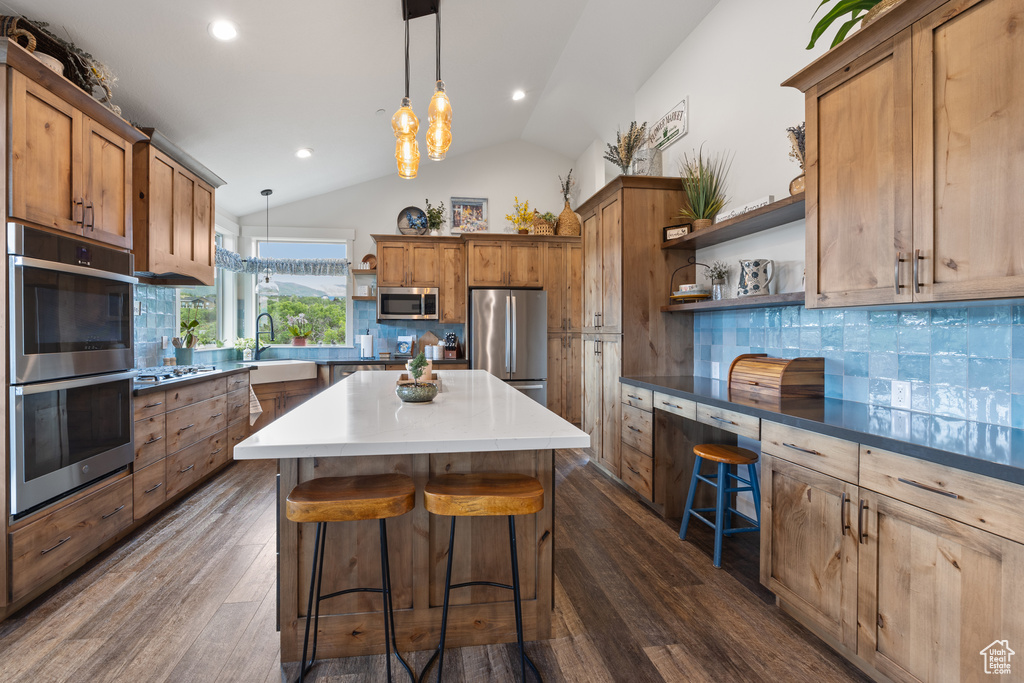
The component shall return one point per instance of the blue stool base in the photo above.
(722, 523)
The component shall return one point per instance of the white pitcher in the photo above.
(754, 277)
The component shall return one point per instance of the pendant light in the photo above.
(264, 286)
(439, 132)
(406, 125)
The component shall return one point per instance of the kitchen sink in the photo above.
(281, 370)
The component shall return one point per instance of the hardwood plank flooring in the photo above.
(191, 597)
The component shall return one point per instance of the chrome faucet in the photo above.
(260, 349)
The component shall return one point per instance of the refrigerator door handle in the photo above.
(508, 334)
(512, 340)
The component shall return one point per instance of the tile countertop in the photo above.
(361, 415)
(990, 450)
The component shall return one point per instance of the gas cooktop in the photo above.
(164, 373)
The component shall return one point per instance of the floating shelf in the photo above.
(740, 302)
(771, 216)
(364, 298)
(363, 271)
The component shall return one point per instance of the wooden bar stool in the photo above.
(483, 495)
(349, 499)
(726, 457)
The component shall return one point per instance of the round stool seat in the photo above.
(730, 455)
(348, 499)
(483, 494)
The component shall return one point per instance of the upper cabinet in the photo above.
(174, 213)
(913, 175)
(408, 264)
(69, 170)
(505, 262)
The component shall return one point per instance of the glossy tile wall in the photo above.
(962, 362)
(155, 321)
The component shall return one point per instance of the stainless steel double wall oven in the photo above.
(70, 325)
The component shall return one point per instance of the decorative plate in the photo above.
(412, 221)
(371, 261)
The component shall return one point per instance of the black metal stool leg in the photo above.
(515, 592)
(390, 603)
(439, 652)
(385, 592)
(314, 591)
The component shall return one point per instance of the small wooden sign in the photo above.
(675, 232)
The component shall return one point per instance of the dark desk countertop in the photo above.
(223, 370)
(989, 450)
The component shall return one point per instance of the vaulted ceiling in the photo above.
(316, 73)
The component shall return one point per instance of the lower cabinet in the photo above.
(602, 363)
(277, 398)
(150, 484)
(565, 376)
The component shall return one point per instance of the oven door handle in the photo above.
(43, 387)
(74, 270)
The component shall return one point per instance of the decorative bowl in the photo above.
(424, 392)
(692, 289)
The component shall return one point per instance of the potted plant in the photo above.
(704, 183)
(626, 146)
(717, 272)
(865, 11)
(185, 344)
(417, 392)
(797, 138)
(435, 217)
(246, 345)
(521, 217)
(299, 327)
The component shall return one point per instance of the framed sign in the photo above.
(671, 126)
(469, 215)
(675, 232)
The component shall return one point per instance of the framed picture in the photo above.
(469, 214)
(674, 232)
(671, 126)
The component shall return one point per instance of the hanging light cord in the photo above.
(438, 15)
(268, 231)
(407, 57)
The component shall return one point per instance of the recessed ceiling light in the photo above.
(222, 29)
(304, 153)
(518, 95)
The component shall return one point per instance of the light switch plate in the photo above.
(138, 308)
(901, 394)
(164, 341)
(715, 369)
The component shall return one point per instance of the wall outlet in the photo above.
(164, 341)
(901, 394)
(715, 369)
(138, 308)
(901, 424)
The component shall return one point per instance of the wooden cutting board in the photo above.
(427, 338)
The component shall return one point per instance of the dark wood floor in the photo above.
(191, 598)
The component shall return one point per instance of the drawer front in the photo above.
(729, 420)
(238, 404)
(982, 502)
(150, 488)
(638, 471)
(825, 454)
(637, 397)
(50, 545)
(149, 440)
(237, 431)
(637, 429)
(186, 426)
(149, 405)
(194, 393)
(237, 381)
(188, 466)
(679, 406)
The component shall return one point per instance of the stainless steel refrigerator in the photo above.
(508, 338)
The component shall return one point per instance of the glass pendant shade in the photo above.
(267, 287)
(407, 149)
(439, 132)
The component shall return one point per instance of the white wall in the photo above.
(498, 173)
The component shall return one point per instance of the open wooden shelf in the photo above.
(363, 271)
(775, 214)
(364, 298)
(739, 302)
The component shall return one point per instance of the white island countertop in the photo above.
(361, 415)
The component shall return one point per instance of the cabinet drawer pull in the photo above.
(188, 427)
(919, 485)
(59, 544)
(635, 398)
(217, 415)
(802, 450)
(153, 440)
(238, 438)
(238, 405)
(75, 203)
(917, 271)
(638, 431)
(722, 419)
(633, 471)
(862, 522)
(111, 514)
(186, 469)
(843, 523)
(217, 451)
(154, 488)
(896, 272)
(671, 405)
(92, 221)
(153, 405)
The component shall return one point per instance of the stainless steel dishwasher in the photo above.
(340, 372)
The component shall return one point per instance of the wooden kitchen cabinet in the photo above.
(392, 264)
(602, 275)
(277, 398)
(912, 185)
(508, 262)
(453, 283)
(69, 171)
(486, 261)
(602, 358)
(424, 265)
(563, 279)
(174, 217)
(809, 545)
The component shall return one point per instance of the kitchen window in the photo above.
(208, 305)
(323, 300)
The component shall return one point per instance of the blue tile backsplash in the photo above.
(961, 362)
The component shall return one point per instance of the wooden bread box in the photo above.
(756, 375)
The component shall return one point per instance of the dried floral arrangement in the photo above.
(90, 73)
(568, 185)
(626, 146)
(435, 216)
(796, 139)
(521, 216)
(716, 271)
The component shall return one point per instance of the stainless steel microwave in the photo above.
(407, 303)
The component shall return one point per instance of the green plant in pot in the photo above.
(435, 217)
(858, 10)
(417, 392)
(704, 184)
(184, 344)
(245, 345)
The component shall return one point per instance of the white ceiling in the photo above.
(313, 74)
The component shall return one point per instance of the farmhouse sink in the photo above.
(284, 370)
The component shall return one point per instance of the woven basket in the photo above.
(568, 222)
(541, 226)
(75, 70)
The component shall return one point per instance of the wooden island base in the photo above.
(353, 625)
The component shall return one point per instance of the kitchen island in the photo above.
(477, 423)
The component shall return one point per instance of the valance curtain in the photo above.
(230, 261)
